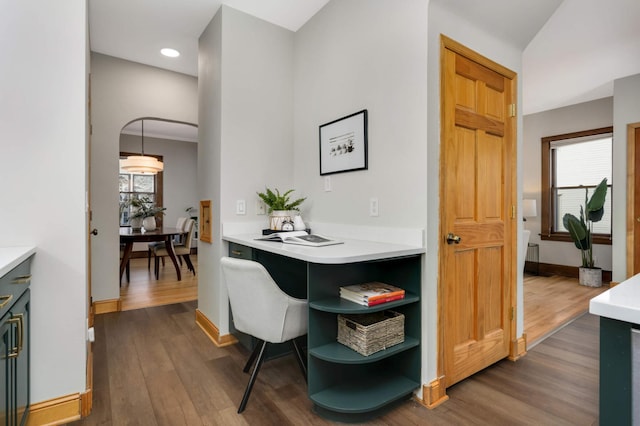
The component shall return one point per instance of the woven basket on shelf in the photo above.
(370, 333)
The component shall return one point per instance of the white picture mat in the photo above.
(343, 144)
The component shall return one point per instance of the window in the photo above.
(571, 163)
(134, 185)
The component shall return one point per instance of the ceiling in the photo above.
(573, 49)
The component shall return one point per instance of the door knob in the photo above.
(452, 238)
(94, 231)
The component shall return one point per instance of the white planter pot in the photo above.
(149, 223)
(277, 217)
(136, 223)
(590, 277)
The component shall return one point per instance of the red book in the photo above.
(382, 300)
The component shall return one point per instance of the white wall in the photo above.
(123, 91)
(626, 110)
(180, 174)
(354, 55)
(444, 21)
(246, 116)
(43, 74)
(584, 116)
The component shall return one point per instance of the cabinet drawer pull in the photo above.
(22, 279)
(236, 252)
(15, 351)
(5, 299)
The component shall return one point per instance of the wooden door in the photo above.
(633, 199)
(477, 172)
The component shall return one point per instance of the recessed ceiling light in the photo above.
(172, 53)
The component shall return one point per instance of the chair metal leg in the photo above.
(253, 356)
(300, 358)
(252, 380)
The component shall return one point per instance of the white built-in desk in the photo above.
(342, 384)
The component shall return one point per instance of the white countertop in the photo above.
(350, 251)
(621, 302)
(10, 257)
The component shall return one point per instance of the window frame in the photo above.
(159, 190)
(546, 199)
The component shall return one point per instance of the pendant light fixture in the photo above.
(141, 163)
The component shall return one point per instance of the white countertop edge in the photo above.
(395, 235)
(621, 302)
(10, 257)
(351, 251)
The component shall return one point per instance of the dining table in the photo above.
(129, 236)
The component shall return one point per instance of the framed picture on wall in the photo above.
(343, 144)
(205, 220)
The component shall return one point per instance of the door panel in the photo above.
(477, 273)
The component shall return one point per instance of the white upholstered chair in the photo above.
(262, 310)
(183, 250)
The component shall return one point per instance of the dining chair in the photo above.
(262, 310)
(178, 239)
(183, 250)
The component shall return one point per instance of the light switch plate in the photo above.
(241, 207)
(373, 207)
(327, 183)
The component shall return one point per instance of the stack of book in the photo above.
(371, 294)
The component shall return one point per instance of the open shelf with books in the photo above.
(343, 384)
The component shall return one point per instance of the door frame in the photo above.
(517, 347)
(633, 174)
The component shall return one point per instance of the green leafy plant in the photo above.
(144, 207)
(277, 201)
(581, 230)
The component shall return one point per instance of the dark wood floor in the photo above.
(154, 366)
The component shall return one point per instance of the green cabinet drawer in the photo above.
(240, 252)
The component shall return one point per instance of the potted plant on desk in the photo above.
(145, 211)
(280, 206)
(581, 231)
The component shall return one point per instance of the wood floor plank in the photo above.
(155, 366)
(550, 302)
(556, 383)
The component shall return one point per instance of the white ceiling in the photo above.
(573, 49)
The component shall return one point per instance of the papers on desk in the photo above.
(301, 238)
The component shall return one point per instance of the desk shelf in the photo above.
(344, 385)
(338, 305)
(339, 353)
(354, 401)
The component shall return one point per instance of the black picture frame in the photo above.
(343, 144)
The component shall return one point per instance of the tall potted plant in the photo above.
(581, 231)
(280, 206)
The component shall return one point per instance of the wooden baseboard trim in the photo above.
(549, 269)
(55, 411)
(212, 331)
(86, 403)
(434, 394)
(106, 306)
(518, 348)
